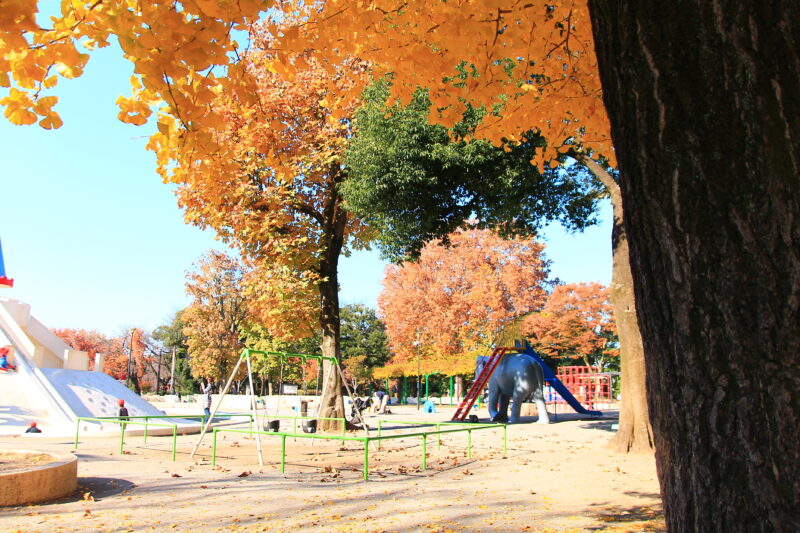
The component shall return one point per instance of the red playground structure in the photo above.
(589, 386)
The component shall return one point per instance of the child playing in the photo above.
(123, 411)
(5, 366)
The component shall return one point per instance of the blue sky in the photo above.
(94, 240)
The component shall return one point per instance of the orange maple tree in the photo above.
(532, 63)
(214, 320)
(452, 304)
(577, 322)
(94, 342)
(271, 189)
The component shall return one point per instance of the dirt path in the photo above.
(555, 478)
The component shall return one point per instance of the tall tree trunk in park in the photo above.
(635, 433)
(705, 116)
(335, 221)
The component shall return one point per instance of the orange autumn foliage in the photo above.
(535, 60)
(577, 322)
(214, 320)
(455, 300)
(94, 342)
(270, 187)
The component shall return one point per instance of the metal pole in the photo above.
(172, 373)
(255, 408)
(366, 459)
(427, 395)
(418, 370)
(283, 453)
(214, 412)
(451, 391)
(158, 371)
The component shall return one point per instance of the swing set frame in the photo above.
(246, 355)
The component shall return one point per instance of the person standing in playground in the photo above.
(123, 411)
(207, 400)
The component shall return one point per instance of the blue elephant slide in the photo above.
(550, 378)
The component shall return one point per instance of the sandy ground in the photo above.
(557, 477)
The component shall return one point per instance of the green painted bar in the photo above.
(283, 453)
(174, 441)
(424, 452)
(121, 437)
(366, 440)
(366, 460)
(214, 448)
(145, 431)
(451, 391)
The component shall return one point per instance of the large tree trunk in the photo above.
(635, 434)
(705, 115)
(335, 222)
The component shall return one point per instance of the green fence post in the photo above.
(145, 429)
(174, 441)
(283, 453)
(424, 451)
(214, 448)
(344, 429)
(469, 443)
(366, 458)
(451, 391)
(438, 436)
(77, 429)
(380, 423)
(121, 436)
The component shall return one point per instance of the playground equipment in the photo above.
(52, 384)
(518, 377)
(521, 375)
(246, 357)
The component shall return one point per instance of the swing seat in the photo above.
(309, 426)
(273, 426)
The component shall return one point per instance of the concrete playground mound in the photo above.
(30, 476)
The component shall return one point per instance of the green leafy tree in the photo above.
(415, 182)
(172, 338)
(363, 333)
(365, 345)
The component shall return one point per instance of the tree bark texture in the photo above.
(705, 115)
(335, 223)
(635, 434)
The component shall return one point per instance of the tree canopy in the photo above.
(452, 303)
(577, 322)
(415, 182)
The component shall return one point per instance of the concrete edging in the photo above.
(39, 483)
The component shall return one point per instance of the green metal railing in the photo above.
(123, 424)
(294, 419)
(366, 440)
(144, 420)
(466, 425)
